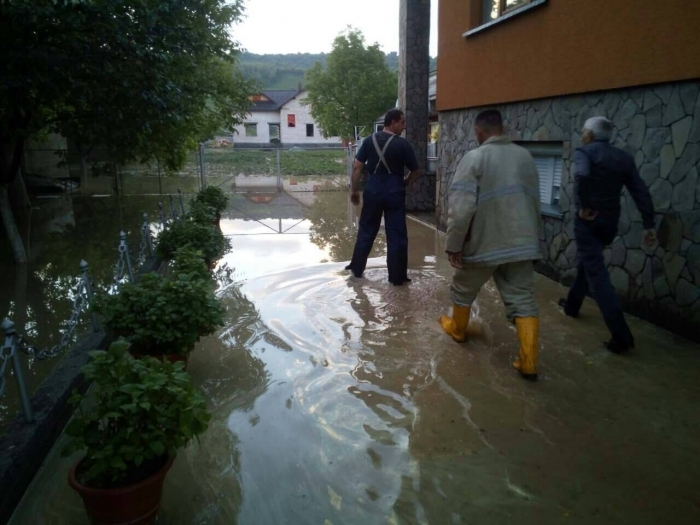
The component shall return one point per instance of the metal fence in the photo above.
(217, 162)
(126, 266)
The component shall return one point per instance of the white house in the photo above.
(279, 116)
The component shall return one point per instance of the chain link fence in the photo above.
(218, 162)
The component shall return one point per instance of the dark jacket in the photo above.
(601, 170)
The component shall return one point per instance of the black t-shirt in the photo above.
(398, 155)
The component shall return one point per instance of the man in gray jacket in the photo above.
(493, 231)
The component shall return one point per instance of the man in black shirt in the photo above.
(387, 155)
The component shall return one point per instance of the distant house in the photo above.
(278, 116)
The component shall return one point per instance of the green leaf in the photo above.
(157, 447)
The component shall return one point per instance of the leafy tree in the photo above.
(354, 88)
(285, 71)
(142, 78)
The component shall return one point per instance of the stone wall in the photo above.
(660, 126)
(414, 70)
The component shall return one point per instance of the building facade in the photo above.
(280, 117)
(549, 65)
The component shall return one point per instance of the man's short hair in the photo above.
(392, 116)
(600, 127)
(490, 120)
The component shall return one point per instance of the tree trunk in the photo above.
(19, 198)
(8, 221)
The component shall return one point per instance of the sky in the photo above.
(310, 26)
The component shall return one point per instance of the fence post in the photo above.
(182, 204)
(279, 171)
(173, 212)
(124, 248)
(10, 342)
(146, 232)
(161, 215)
(90, 294)
(201, 166)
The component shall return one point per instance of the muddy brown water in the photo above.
(339, 401)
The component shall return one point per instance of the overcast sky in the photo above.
(309, 26)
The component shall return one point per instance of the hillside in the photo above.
(286, 71)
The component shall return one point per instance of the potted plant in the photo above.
(162, 317)
(202, 213)
(214, 197)
(190, 261)
(203, 237)
(143, 411)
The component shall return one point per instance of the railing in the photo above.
(16, 344)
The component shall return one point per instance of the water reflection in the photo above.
(334, 231)
(338, 400)
(38, 296)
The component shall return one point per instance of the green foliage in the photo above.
(262, 162)
(214, 197)
(160, 315)
(201, 212)
(278, 71)
(355, 88)
(144, 411)
(142, 78)
(189, 261)
(203, 237)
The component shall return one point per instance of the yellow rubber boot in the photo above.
(456, 326)
(528, 334)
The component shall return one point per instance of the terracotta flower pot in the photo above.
(136, 504)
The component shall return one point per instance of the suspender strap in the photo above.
(381, 152)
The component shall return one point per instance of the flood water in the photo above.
(38, 297)
(338, 400)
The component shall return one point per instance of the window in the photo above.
(494, 9)
(548, 159)
(494, 12)
(378, 128)
(251, 129)
(309, 130)
(291, 121)
(274, 132)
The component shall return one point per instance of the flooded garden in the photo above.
(337, 400)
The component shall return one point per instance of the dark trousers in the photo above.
(591, 238)
(391, 203)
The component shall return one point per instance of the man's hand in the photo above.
(455, 259)
(587, 214)
(649, 237)
(355, 197)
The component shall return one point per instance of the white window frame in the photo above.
(251, 125)
(550, 166)
(486, 23)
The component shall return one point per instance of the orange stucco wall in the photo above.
(564, 47)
